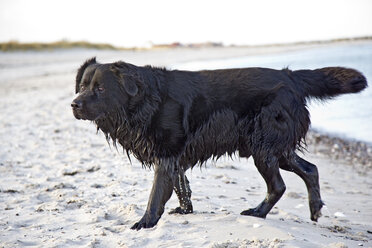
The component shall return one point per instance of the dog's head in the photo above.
(103, 88)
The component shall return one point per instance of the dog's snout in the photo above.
(76, 104)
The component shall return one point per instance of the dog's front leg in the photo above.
(162, 187)
(183, 191)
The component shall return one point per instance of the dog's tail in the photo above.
(329, 82)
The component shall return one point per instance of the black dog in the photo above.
(173, 120)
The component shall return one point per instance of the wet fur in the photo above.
(173, 120)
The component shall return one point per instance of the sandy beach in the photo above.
(62, 185)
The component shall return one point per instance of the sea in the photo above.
(347, 116)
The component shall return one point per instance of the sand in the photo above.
(62, 185)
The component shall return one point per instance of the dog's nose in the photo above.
(76, 104)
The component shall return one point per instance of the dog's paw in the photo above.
(179, 210)
(253, 212)
(315, 210)
(145, 222)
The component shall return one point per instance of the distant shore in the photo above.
(14, 45)
(37, 46)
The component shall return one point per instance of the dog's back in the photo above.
(258, 109)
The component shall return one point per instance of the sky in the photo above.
(141, 23)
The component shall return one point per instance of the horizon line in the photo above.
(15, 45)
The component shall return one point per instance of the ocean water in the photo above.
(347, 116)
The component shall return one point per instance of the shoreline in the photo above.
(346, 150)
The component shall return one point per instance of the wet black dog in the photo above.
(173, 120)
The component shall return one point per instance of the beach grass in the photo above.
(62, 44)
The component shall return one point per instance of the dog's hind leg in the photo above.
(309, 173)
(183, 191)
(269, 169)
(162, 188)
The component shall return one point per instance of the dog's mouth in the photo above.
(84, 116)
(77, 114)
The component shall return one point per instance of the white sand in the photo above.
(62, 186)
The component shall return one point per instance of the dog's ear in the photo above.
(129, 83)
(127, 80)
(81, 70)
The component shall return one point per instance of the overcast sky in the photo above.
(139, 22)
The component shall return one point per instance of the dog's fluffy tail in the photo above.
(328, 82)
